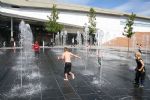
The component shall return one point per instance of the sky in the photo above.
(139, 7)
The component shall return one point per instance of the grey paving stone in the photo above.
(42, 78)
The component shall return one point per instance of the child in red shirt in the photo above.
(36, 48)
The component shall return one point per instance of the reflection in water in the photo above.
(137, 94)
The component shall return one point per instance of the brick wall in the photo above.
(138, 38)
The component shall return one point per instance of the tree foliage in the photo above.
(128, 29)
(92, 21)
(52, 25)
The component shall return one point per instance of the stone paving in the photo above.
(24, 76)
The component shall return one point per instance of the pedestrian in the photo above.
(36, 48)
(66, 56)
(140, 70)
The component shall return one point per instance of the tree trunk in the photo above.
(128, 46)
(53, 37)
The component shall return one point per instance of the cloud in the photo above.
(128, 6)
(144, 9)
(139, 7)
(135, 6)
(146, 13)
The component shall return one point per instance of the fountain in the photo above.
(4, 44)
(85, 61)
(73, 41)
(95, 53)
(57, 38)
(26, 37)
(26, 70)
(79, 38)
(99, 38)
(61, 38)
(43, 45)
(64, 37)
(25, 40)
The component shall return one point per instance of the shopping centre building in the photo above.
(109, 22)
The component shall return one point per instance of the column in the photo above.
(12, 39)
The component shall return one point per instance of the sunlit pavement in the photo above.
(24, 76)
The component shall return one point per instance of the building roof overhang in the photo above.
(34, 20)
(62, 6)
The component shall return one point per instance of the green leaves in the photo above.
(54, 14)
(128, 29)
(52, 25)
(92, 21)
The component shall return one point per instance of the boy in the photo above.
(66, 56)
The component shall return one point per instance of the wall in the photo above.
(142, 38)
(112, 26)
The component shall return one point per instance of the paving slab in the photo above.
(24, 76)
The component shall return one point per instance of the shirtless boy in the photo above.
(66, 56)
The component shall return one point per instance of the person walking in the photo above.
(140, 70)
(66, 56)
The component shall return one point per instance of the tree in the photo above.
(52, 25)
(92, 24)
(128, 29)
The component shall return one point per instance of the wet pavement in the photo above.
(26, 76)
